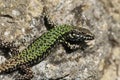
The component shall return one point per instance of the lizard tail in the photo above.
(9, 65)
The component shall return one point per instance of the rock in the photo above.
(22, 21)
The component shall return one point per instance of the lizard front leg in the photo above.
(9, 47)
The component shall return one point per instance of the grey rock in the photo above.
(21, 21)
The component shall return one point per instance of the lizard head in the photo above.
(80, 35)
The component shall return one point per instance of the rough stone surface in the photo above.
(21, 21)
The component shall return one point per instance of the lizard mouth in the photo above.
(89, 37)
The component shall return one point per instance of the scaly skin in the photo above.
(38, 50)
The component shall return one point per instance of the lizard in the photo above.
(38, 50)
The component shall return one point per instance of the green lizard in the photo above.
(37, 51)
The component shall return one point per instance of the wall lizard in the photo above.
(37, 51)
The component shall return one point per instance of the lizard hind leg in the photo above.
(9, 47)
(25, 73)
